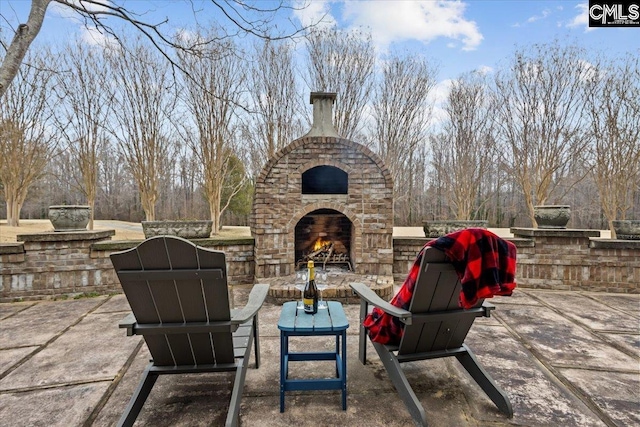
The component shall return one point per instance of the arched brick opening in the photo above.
(352, 188)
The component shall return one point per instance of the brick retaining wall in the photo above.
(555, 259)
(48, 265)
(577, 260)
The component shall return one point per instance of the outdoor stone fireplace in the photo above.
(324, 198)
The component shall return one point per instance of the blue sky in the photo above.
(459, 35)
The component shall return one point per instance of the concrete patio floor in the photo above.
(565, 359)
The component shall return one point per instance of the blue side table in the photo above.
(330, 321)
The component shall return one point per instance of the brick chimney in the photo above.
(322, 114)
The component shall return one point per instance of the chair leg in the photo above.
(139, 397)
(236, 394)
(401, 384)
(484, 380)
(362, 343)
(238, 382)
(256, 341)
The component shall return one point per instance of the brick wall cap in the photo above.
(614, 244)
(554, 232)
(11, 248)
(408, 240)
(119, 245)
(65, 236)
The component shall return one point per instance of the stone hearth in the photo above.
(322, 186)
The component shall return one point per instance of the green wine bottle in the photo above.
(310, 293)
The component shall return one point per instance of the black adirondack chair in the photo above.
(435, 327)
(180, 305)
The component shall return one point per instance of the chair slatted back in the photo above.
(436, 292)
(182, 298)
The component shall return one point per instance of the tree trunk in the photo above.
(613, 230)
(13, 212)
(91, 202)
(11, 222)
(17, 50)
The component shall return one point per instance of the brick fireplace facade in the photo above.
(323, 189)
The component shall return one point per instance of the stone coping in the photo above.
(282, 289)
(409, 240)
(120, 245)
(554, 232)
(614, 244)
(11, 248)
(65, 236)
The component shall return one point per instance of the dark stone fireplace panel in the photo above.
(325, 180)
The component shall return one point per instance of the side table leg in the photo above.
(283, 368)
(344, 370)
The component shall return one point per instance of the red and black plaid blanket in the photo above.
(485, 263)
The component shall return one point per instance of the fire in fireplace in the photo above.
(323, 236)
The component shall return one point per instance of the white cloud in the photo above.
(484, 70)
(582, 19)
(316, 12)
(535, 18)
(68, 12)
(88, 34)
(437, 97)
(425, 21)
(64, 11)
(94, 37)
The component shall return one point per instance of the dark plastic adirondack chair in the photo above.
(435, 327)
(180, 305)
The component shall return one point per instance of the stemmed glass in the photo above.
(321, 287)
(302, 276)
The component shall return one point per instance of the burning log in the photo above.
(328, 247)
(326, 253)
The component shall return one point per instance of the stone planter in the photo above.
(440, 228)
(552, 216)
(627, 229)
(69, 217)
(198, 229)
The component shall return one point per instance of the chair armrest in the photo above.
(128, 322)
(365, 293)
(487, 306)
(256, 299)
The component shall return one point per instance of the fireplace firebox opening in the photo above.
(324, 236)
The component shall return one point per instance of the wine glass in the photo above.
(322, 285)
(302, 276)
(300, 305)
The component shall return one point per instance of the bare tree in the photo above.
(243, 17)
(82, 110)
(213, 137)
(466, 144)
(26, 144)
(540, 118)
(276, 102)
(401, 113)
(342, 62)
(118, 196)
(614, 110)
(143, 102)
